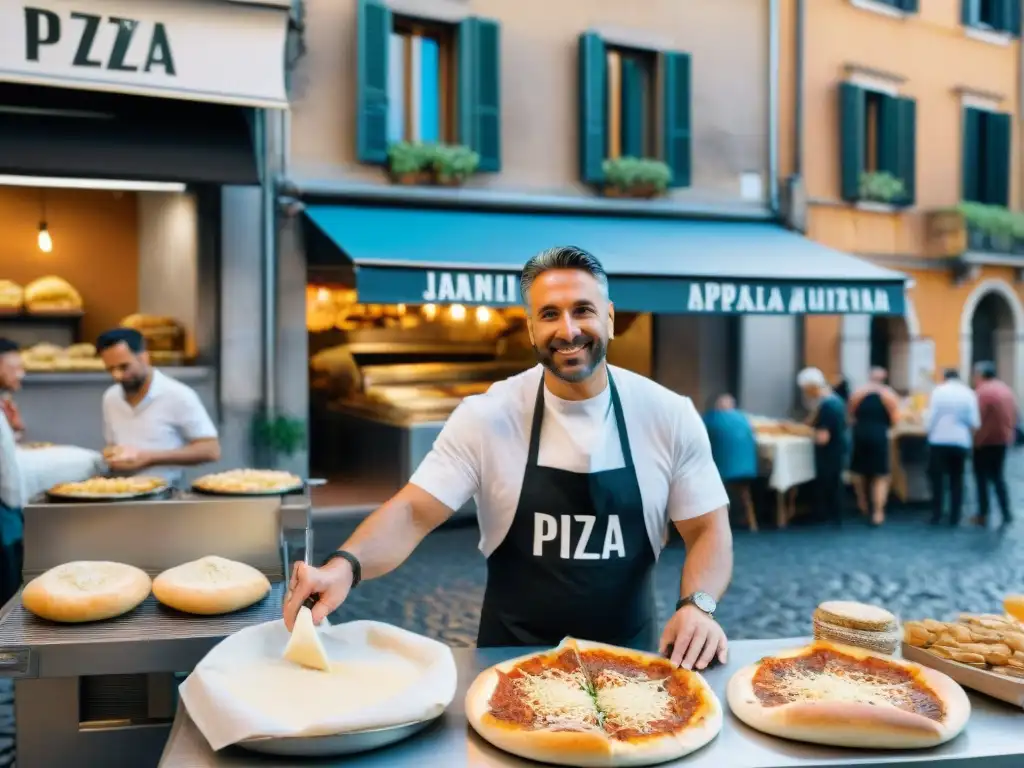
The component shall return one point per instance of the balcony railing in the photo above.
(975, 227)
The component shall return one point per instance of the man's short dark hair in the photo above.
(986, 369)
(6, 345)
(562, 257)
(950, 373)
(127, 336)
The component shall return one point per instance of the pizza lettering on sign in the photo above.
(572, 536)
(588, 704)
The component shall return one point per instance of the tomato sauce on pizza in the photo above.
(827, 673)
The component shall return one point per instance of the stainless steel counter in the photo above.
(993, 737)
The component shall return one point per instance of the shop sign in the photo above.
(720, 297)
(470, 288)
(216, 52)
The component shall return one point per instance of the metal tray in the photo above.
(340, 744)
(106, 498)
(276, 492)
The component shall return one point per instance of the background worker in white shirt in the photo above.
(151, 422)
(953, 417)
(577, 468)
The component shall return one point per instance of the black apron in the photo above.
(577, 559)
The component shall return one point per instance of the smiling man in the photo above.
(577, 467)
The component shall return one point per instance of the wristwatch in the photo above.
(702, 600)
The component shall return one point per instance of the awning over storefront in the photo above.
(654, 265)
(223, 52)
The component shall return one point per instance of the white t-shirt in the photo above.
(481, 452)
(169, 417)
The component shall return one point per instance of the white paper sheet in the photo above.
(381, 676)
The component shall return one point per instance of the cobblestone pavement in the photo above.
(908, 566)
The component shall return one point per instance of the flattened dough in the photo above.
(86, 590)
(210, 586)
(304, 646)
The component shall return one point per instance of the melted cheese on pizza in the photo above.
(630, 703)
(825, 675)
(558, 698)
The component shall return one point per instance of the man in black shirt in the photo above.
(829, 422)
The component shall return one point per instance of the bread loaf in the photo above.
(86, 591)
(211, 585)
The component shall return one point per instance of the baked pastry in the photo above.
(857, 624)
(81, 351)
(989, 642)
(52, 294)
(12, 296)
(241, 481)
(304, 646)
(107, 487)
(848, 697)
(86, 591)
(211, 585)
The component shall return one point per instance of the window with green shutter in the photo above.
(877, 146)
(427, 82)
(632, 103)
(992, 15)
(987, 155)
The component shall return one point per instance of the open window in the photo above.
(992, 15)
(877, 146)
(987, 152)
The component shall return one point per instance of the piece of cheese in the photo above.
(631, 703)
(834, 685)
(304, 646)
(559, 699)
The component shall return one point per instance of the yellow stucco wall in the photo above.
(928, 56)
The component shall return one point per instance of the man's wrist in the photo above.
(343, 559)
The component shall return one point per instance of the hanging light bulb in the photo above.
(45, 241)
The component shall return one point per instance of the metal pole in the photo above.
(269, 264)
(798, 96)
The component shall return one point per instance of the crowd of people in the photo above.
(976, 424)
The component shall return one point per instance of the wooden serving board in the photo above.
(1008, 689)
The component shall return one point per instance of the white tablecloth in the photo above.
(37, 469)
(791, 458)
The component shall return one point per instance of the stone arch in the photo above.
(1009, 357)
(855, 345)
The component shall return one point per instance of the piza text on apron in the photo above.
(562, 531)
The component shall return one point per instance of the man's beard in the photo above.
(584, 362)
(132, 386)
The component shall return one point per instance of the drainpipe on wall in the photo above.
(773, 105)
(269, 262)
(798, 90)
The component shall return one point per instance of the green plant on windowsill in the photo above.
(635, 177)
(410, 162)
(991, 226)
(881, 187)
(453, 164)
(279, 435)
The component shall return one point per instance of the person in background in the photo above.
(151, 422)
(997, 408)
(953, 417)
(11, 374)
(829, 423)
(734, 450)
(842, 389)
(873, 409)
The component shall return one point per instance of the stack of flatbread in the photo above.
(857, 624)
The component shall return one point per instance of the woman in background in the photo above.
(873, 410)
(734, 449)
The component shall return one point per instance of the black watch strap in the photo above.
(682, 601)
(357, 568)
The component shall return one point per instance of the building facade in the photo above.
(900, 143)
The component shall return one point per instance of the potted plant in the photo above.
(881, 187)
(636, 177)
(453, 164)
(410, 162)
(277, 436)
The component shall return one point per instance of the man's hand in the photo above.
(695, 637)
(821, 436)
(331, 584)
(122, 458)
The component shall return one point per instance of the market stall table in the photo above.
(791, 462)
(992, 738)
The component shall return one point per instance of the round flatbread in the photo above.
(587, 704)
(211, 585)
(859, 616)
(848, 697)
(86, 591)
